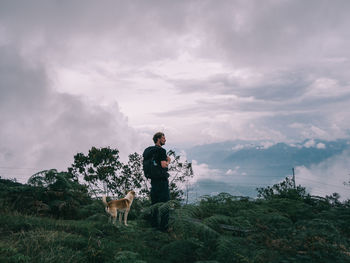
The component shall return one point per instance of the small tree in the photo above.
(133, 177)
(52, 179)
(56, 193)
(99, 169)
(285, 189)
(43, 178)
(180, 172)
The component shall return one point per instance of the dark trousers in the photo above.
(159, 194)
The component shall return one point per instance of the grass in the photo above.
(214, 230)
(34, 239)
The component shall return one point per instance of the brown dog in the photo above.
(123, 204)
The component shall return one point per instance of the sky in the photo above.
(76, 74)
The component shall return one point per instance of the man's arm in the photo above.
(165, 164)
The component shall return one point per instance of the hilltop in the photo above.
(43, 224)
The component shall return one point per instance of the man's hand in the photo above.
(165, 164)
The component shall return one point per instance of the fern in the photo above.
(187, 226)
(222, 222)
(228, 249)
(182, 251)
(164, 208)
(192, 211)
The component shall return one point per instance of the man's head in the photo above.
(159, 138)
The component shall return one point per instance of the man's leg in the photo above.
(154, 200)
(160, 193)
(165, 197)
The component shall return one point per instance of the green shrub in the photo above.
(181, 251)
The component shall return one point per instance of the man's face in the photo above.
(162, 140)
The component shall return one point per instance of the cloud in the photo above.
(321, 146)
(312, 144)
(326, 87)
(326, 177)
(42, 128)
(275, 32)
(202, 71)
(234, 172)
(72, 31)
(202, 171)
(309, 143)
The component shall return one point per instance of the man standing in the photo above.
(159, 178)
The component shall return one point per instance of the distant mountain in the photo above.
(265, 154)
(259, 162)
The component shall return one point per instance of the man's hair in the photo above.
(157, 136)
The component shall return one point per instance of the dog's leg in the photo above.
(115, 216)
(126, 217)
(120, 218)
(109, 214)
(113, 213)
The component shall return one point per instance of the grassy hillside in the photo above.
(282, 226)
(34, 239)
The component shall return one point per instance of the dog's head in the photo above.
(132, 192)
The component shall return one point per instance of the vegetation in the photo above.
(57, 218)
(102, 172)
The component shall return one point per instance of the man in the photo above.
(159, 178)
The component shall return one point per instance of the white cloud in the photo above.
(312, 144)
(238, 147)
(231, 172)
(234, 172)
(202, 171)
(327, 177)
(267, 144)
(327, 87)
(309, 143)
(321, 146)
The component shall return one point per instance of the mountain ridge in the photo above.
(240, 165)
